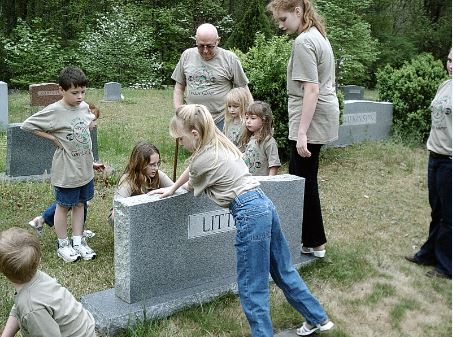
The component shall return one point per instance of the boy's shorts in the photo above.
(69, 197)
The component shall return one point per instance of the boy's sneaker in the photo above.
(84, 250)
(67, 253)
(37, 224)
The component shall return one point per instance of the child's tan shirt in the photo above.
(72, 165)
(219, 175)
(45, 308)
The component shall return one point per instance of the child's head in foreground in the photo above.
(20, 253)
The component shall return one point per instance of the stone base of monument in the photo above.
(179, 251)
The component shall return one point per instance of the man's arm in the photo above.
(178, 95)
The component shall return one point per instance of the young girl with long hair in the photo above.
(312, 107)
(216, 168)
(236, 103)
(260, 148)
(141, 174)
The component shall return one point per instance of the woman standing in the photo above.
(312, 107)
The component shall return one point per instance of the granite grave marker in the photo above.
(179, 251)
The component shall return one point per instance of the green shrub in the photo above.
(411, 89)
(117, 50)
(265, 65)
(33, 54)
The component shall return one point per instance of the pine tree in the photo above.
(253, 20)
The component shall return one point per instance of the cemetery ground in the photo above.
(375, 205)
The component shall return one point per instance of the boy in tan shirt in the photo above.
(42, 307)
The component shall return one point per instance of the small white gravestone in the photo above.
(112, 92)
(3, 106)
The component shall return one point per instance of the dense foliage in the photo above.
(265, 65)
(411, 89)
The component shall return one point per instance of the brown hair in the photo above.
(94, 110)
(309, 18)
(136, 169)
(20, 253)
(263, 111)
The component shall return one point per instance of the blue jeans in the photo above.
(261, 248)
(437, 248)
(49, 214)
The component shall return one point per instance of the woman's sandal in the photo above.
(304, 330)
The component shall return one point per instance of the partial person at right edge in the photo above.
(206, 73)
(313, 109)
(436, 251)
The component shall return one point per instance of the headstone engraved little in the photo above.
(43, 94)
(353, 92)
(29, 155)
(112, 92)
(179, 251)
(363, 121)
(3, 106)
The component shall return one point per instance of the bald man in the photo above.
(208, 72)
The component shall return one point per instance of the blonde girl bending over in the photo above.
(236, 103)
(260, 148)
(216, 168)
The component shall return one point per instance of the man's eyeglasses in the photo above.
(208, 46)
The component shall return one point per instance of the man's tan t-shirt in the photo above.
(208, 82)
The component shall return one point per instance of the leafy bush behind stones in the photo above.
(411, 89)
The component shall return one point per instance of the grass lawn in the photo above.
(375, 207)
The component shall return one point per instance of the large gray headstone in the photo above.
(364, 120)
(353, 92)
(3, 105)
(179, 251)
(30, 155)
(112, 92)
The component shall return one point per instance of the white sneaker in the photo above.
(66, 252)
(88, 234)
(37, 224)
(84, 250)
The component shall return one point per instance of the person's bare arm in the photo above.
(11, 327)
(311, 93)
(178, 95)
(273, 170)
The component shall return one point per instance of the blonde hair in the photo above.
(135, 172)
(261, 110)
(20, 253)
(241, 98)
(197, 117)
(310, 17)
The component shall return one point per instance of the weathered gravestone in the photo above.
(179, 251)
(353, 92)
(364, 120)
(43, 94)
(112, 92)
(3, 106)
(30, 155)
